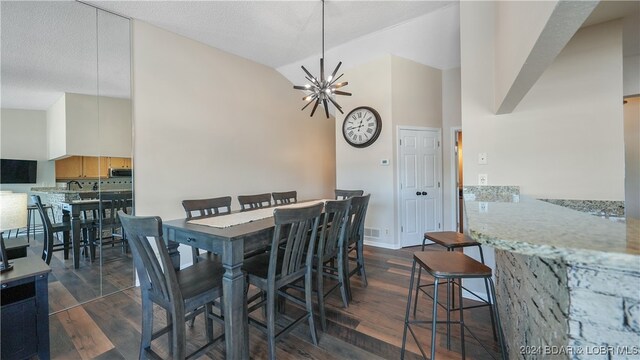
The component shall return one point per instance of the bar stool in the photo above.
(453, 240)
(31, 214)
(448, 266)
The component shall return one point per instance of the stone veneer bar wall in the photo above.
(533, 299)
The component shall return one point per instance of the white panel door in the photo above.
(420, 179)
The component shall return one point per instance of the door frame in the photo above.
(399, 213)
(454, 177)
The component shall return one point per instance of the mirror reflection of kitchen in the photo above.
(66, 113)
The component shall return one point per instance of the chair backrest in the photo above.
(251, 202)
(334, 228)
(47, 229)
(345, 194)
(286, 197)
(207, 207)
(292, 233)
(156, 273)
(357, 214)
(111, 203)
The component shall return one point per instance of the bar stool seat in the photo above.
(448, 266)
(452, 240)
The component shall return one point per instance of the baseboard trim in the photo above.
(383, 245)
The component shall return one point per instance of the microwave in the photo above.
(119, 172)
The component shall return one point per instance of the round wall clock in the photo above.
(361, 127)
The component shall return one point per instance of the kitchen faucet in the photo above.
(72, 182)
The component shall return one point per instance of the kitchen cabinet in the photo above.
(94, 167)
(120, 163)
(69, 168)
(75, 167)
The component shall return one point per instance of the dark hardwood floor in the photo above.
(370, 328)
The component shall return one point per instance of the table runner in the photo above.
(248, 216)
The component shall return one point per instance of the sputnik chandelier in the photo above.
(322, 90)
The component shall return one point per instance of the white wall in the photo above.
(57, 129)
(208, 123)
(632, 157)
(451, 119)
(24, 137)
(564, 140)
(406, 93)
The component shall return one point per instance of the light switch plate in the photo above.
(483, 179)
(384, 162)
(482, 158)
(483, 207)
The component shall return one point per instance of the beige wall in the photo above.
(405, 93)
(564, 140)
(57, 129)
(23, 136)
(632, 157)
(631, 73)
(360, 168)
(518, 26)
(451, 119)
(208, 123)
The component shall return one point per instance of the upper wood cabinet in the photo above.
(75, 167)
(69, 168)
(120, 163)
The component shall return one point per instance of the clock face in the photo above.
(361, 127)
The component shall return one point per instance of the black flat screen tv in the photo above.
(18, 171)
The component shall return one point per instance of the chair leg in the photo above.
(345, 270)
(360, 256)
(320, 293)
(208, 322)
(434, 320)
(171, 332)
(66, 241)
(147, 325)
(415, 302)
(460, 304)
(341, 278)
(503, 350)
(179, 334)
(271, 323)
(406, 314)
(308, 290)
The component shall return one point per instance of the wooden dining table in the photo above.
(71, 211)
(231, 242)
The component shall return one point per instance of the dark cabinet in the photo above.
(24, 312)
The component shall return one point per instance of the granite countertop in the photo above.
(57, 190)
(534, 227)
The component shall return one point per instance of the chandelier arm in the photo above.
(339, 85)
(334, 80)
(338, 92)
(336, 105)
(308, 103)
(335, 71)
(314, 107)
(326, 107)
(312, 78)
(299, 87)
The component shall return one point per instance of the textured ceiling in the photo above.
(274, 33)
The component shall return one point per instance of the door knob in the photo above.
(424, 193)
(418, 193)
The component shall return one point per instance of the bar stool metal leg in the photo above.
(406, 315)
(434, 321)
(461, 320)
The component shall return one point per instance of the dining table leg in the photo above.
(235, 314)
(75, 235)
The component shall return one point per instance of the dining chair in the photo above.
(272, 272)
(205, 207)
(50, 228)
(345, 194)
(355, 240)
(331, 251)
(286, 197)
(110, 204)
(252, 202)
(183, 294)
